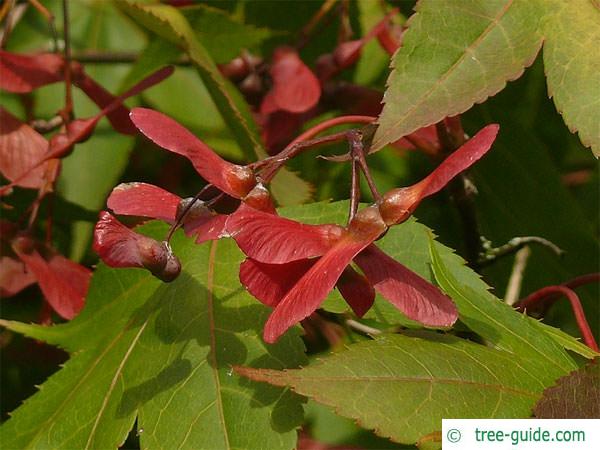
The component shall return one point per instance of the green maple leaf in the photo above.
(572, 64)
(162, 353)
(402, 386)
(460, 52)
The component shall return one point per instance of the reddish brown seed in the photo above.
(260, 198)
(153, 254)
(241, 179)
(397, 205)
(367, 221)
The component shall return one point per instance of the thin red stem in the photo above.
(50, 223)
(330, 123)
(582, 280)
(345, 31)
(571, 284)
(582, 323)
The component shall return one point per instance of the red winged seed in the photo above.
(417, 298)
(260, 198)
(24, 73)
(270, 282)
(61, 144)
(145, 200)
(14, 276)
(236, 181)
(274, 240)
(208, 229)
(312, 289)
(356, 290)
(63, 282)
(398, 204)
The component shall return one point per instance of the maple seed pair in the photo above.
(291, 266)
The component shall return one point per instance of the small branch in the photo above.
(462, 191)
(327, 124)
(491, 255)
(583, 280)
(552, 291)
(5, 8)
(571, 284)
(345, 31)
(272, 165)
(513, 290)
(50, 213)
(13, 13)
(68, 111)
(49, 18)
(308, 29)
(93, 57)
(50, 174)
(444, 137)
(188, 207)
(362, 328)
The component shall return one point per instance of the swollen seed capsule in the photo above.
(153, 254)
(367, 221)
(260, 198)
(241, 179)
(398, 204)
(172, 269)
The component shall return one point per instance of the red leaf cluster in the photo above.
(29, 160)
